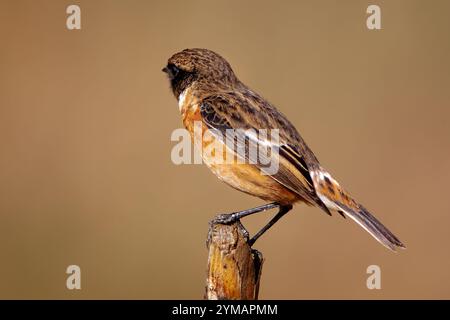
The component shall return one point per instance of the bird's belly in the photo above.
(249, 179)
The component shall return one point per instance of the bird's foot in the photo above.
(230, 218)
(226, 218)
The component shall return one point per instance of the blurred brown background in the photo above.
(85, 124)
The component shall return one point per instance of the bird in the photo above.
(210, 94)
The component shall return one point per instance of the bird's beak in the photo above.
(165, 70)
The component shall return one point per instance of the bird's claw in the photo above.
(227, 218)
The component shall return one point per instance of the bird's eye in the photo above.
(174, 70)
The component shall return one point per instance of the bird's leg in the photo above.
(229, 218)
(283, 210)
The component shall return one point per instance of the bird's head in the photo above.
(190, 65)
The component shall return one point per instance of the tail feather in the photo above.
(372, 225)
(336, 198)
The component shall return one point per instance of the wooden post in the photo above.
(234, 268)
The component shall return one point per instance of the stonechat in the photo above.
(209, 93)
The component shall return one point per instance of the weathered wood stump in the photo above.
(234, 268)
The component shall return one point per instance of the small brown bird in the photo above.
(209, 93)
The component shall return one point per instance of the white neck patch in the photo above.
(181, 99)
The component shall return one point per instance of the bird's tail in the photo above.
(371, 224)
(336, 198)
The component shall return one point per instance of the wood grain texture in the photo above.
(234, 268)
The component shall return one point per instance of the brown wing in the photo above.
(228, 111)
